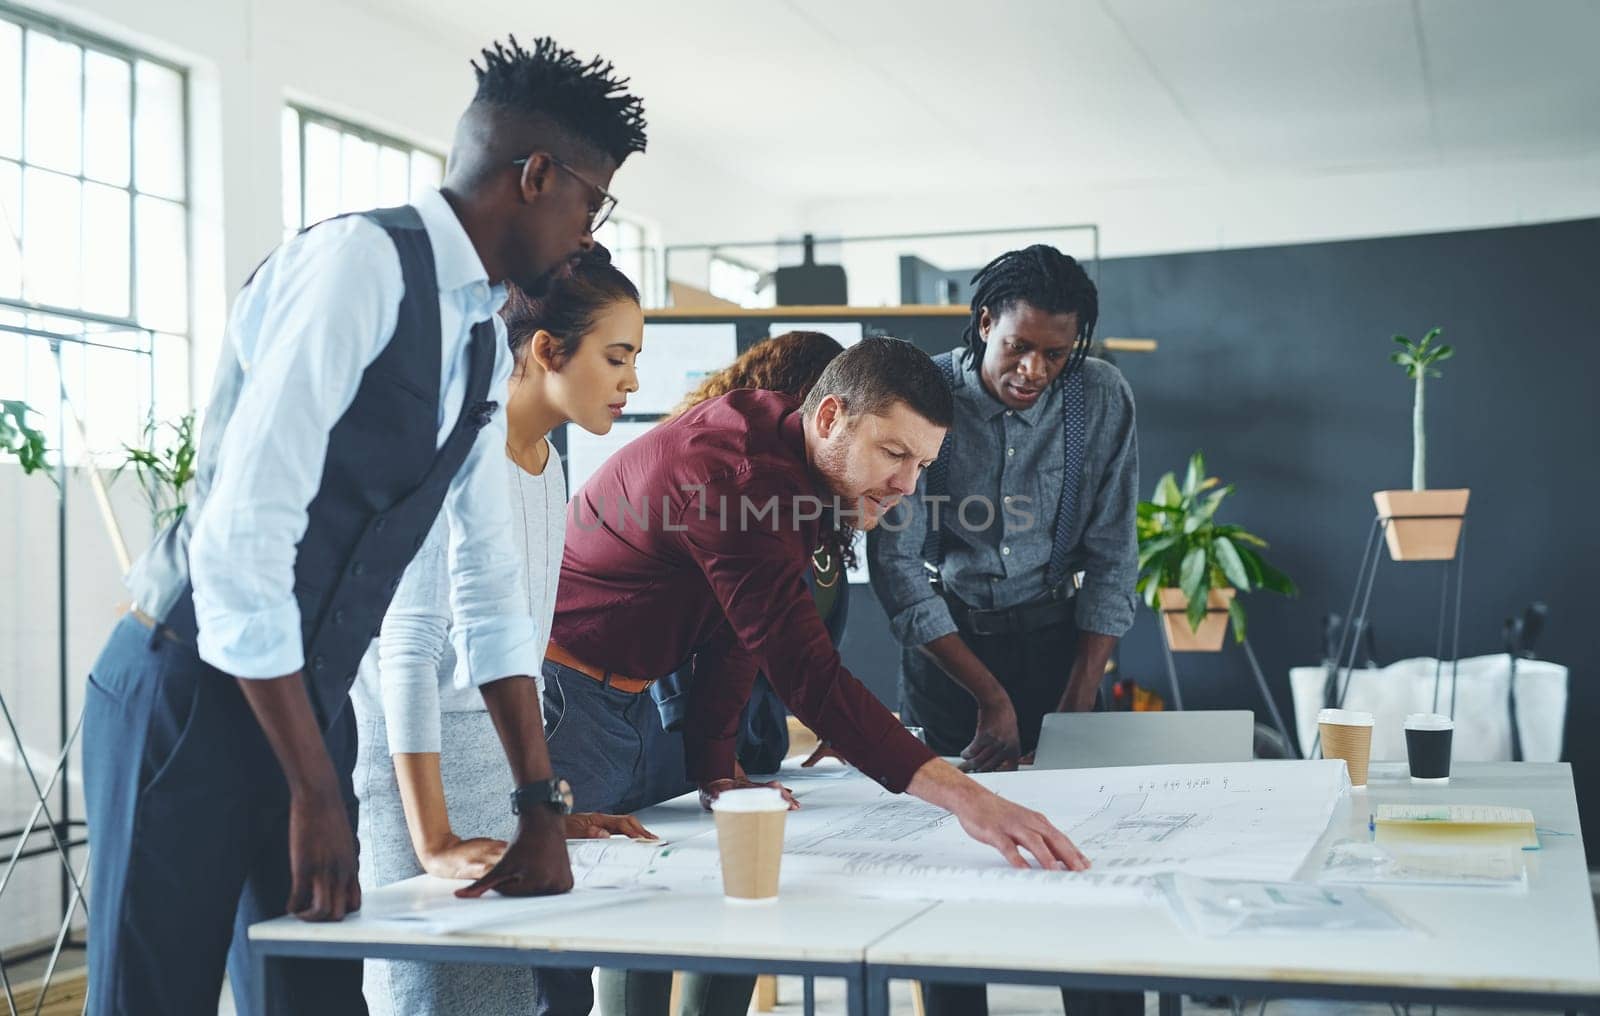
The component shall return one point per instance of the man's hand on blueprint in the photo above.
(997, 742)
(711, 791)
(989, 818)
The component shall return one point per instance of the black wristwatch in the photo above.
(552, 793)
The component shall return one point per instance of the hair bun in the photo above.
(596, 255)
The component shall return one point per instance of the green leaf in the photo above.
(18, 438)
(1275, 581)
(1208, 508)
(1167, 493)
(1228, 560)
(1197, 601)
(1238, 534)
(1150, 549)
(1193, 571)
(1443, 353)
(1196, 473)
(1236, 614)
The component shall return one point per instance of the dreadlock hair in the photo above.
(789, 363)
(575, 295)
(585, 100)
(1043, 278)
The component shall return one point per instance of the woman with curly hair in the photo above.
(788, 363)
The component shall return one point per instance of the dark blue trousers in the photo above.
(188, 837)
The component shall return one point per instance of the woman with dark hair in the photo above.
(426, 738)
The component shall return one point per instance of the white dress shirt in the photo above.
(317, 314)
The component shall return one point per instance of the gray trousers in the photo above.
(477, 785)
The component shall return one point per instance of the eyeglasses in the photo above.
(608, 204)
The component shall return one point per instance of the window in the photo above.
(727, 279)
(94, 233)
(630, 252)
(331, 167)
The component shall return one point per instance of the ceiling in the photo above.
(822, 99)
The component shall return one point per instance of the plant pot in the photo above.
(1424, 525)
(1175, 618)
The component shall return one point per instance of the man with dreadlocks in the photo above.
(357, 394)
(1036, 482)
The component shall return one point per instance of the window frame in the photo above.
(306, 114)
(127, 333)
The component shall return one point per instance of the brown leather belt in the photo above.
(631, 685)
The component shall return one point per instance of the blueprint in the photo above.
(1254, 821)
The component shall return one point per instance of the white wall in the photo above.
(1198, 216)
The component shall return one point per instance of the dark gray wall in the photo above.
(1274, 362)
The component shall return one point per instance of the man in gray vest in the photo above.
(357, 394)
(1037, 482)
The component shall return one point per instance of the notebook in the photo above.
(1464, 824)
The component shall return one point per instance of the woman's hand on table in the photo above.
(454, 857)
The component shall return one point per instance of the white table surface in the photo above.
(1490, 940)
(821, 928)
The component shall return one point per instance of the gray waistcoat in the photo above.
(383, 482)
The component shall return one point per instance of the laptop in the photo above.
(1090, 740)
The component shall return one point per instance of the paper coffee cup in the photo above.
(1347, 734)
(1428, 737)
(750, 840)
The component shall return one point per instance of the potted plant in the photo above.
(1191, 568)
(1423, 524)
(164, 468)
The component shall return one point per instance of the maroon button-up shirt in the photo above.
(692, 544)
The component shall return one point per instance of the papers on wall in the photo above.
(676, 358)
(587, 452)
(1229, 907)
(846, 333)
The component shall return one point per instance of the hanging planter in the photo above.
(1191, 567)
(1213, 626)
(1422, 524)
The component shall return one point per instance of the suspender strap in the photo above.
(1072, 447)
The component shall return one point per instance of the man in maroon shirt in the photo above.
(692, 545)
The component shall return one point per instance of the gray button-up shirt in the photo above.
(1011, 461)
